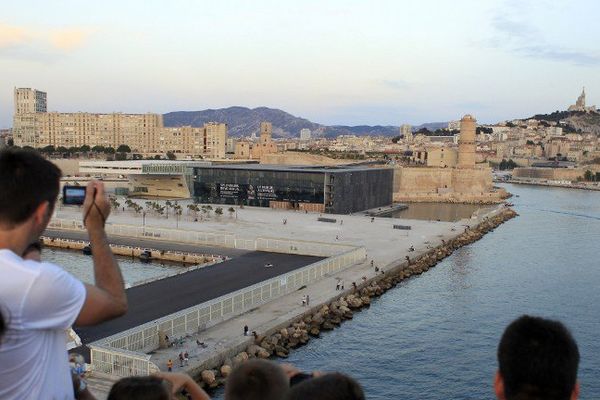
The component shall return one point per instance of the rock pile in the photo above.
(329, 316)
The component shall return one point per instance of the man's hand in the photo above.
(96, 207)
(180, 381)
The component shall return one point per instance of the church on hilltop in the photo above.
(580, 104)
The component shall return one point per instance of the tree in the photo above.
(85, 148)
(114, 203)
(219, 211)
(231, 210)
(588, 176)
(109, 150)
(120, 156)
(48, 149)
(98, 149)
(123, 149)
(171, 155)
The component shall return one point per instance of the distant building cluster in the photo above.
(34, 126)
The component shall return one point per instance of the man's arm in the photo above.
(106, 299)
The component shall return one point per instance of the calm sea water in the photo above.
(439, 211)
(133, 270)
(435, 336)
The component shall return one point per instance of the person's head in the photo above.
(327, 387)
(256, 380)
(30, 187)
(140, 388)
(538, 359)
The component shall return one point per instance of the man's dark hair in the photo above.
(2, 326)
(327, 387)
(538, 359)
(140, 388)
(26, 181)
(257, 380)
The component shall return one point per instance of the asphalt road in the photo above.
(159, 298)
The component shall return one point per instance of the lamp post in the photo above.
(144, 222)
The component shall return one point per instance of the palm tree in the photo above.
(168, 204)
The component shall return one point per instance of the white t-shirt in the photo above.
(42, 301)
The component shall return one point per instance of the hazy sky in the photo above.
(334, 62)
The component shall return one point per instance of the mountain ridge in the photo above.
(243, 121)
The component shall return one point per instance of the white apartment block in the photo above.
(305, 134)
(143, 133)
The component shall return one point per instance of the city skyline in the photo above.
(382, 63)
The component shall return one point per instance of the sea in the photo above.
(435, 336)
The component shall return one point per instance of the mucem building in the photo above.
(337, 190)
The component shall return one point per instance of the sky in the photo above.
(335, 62)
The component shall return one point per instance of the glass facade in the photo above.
(256, 187)
(340, 191)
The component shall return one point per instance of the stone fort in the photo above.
(464, 183)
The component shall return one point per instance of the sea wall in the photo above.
(279, 340)
(129, 251)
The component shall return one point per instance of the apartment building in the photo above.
(143, 133)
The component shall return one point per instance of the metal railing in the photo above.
(228, 240)
(120, 362)
(145, 338)
(155, 233)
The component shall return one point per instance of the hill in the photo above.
(574, 121)
(243, 121)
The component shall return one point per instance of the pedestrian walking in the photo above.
(170, 365)
(181, 359)
(341, 222)
(186, 358)
(337, 237)
(307, 300)
(372, 263)
(342, 285)
(245, 330)
(304, 300)
(337, 285)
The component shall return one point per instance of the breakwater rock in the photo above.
(328, 316)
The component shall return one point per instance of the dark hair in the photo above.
(257, 380)
(334, 386)
(538, 359)
(139, 387)
(2, 325)
(27, 180)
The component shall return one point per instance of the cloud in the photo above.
(40, 44)
(13, 35)
(69, 39)
(513, 31)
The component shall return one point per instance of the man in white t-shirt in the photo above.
(39, 300)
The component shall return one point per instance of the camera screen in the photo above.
(73, 195)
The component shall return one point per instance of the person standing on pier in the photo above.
(42, 299)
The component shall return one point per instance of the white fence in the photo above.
(157, 233)
(287, 246)
(120, 362)
(145, 338)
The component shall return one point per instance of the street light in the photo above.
(144, 222)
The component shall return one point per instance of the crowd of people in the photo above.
(537, 358)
